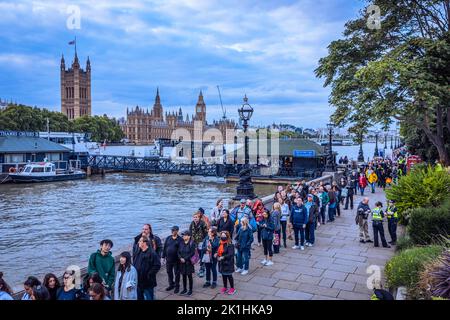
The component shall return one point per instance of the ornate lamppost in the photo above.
(330, 165)
(361, 153)
(245, 189)
(376, 153)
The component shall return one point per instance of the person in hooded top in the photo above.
(103, 263)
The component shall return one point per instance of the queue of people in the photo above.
(221, 243)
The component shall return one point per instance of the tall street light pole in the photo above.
(376, 153)
(361, 153)
(245, 189)
(330, 165)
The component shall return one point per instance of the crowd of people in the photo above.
(221, 243)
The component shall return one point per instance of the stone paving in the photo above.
(335, 268)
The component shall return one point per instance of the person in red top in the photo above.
(362, 183)
(258, 211)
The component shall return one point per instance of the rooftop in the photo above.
(21, 144)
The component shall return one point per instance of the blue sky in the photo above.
(266, 49)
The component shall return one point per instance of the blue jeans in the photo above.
(146, 293)
(373, 187)
(211, 268)
(243, 259)
(300, 230)
(331, 213)
(362, 191)
(309, 232)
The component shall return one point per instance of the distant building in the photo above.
(75, 89)
(3, 104)
(20, 147)
(144, 126)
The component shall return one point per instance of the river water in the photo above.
(47, 227)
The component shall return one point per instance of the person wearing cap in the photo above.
(170, 255)
(312, 210)
(185, 252)
(102, 262)
(377, 225)
(392, 216)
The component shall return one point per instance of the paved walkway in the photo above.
(335, 268)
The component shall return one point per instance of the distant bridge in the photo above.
(163, 165)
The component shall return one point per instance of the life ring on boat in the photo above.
(12, 170)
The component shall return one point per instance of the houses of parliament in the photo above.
(144, 126)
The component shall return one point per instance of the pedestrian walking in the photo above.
(332, 205)
(125, 286)
(170, 256)
(362, 215)
(362, 182)
(186, 251)
(225, 258)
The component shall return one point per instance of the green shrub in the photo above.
(429, 225)
(404, 269)
(403, 243)
(423, 186)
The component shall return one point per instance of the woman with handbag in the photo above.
(187, 253)
(225, 256)
(210, 246)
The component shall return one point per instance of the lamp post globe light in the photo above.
(245, 189)
(330, 165)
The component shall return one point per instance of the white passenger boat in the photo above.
(46, 172)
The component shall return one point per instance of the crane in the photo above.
(223, 110)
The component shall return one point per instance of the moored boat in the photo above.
(45, 172)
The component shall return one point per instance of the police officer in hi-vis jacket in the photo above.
(392, 216)
(377, 224)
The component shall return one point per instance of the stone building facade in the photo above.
(75, 89)
(144, 127)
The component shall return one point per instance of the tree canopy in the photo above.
(400, 71)
(24, 118)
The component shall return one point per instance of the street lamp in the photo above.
(392, 142)
(330, 165)
(361, 153)
(245, 189)
(376, 153)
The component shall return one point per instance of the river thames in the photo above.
(47, 227)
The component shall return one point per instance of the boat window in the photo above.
(48, 169)
(27, 169)
(38, 169)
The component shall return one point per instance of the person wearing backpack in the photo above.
(225, 256)
(186, 251)
(244, 240)
(103, 263)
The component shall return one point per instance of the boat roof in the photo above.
(14, 144)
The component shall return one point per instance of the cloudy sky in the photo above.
(266, 49)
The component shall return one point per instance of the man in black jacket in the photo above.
(362, 214)
(170, 254)
(147, 264)
(155, 241)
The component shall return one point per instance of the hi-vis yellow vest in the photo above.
(376, 214)
(391, 212)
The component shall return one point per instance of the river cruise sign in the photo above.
(304, 153)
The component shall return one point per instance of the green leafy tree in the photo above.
(399, 71)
